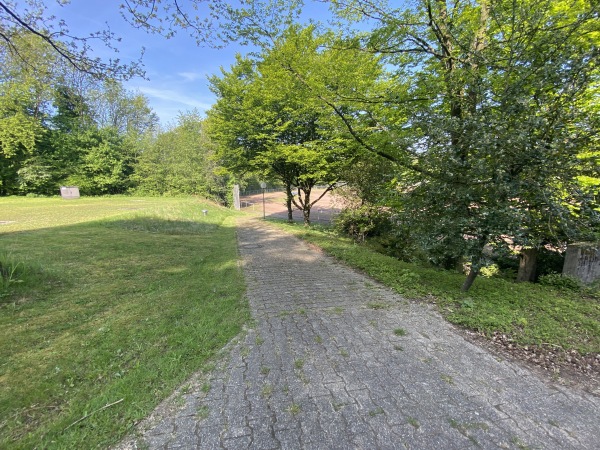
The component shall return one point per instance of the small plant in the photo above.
(490, 271)
(202, 412)
(344, 353)
(363, 221)
(318, 339)
(414, 422)
(398, 348)
(400, 332)
(294, 409)
(519, 444)
(447, 378)
(264, 370)
(259, 340)
(408, 277)
(179, 401)
(338, 405)
(267, 391)
(205, 387)
(299, 363)
(11, 273)
(467, 303)
(377, 411)
(377, 306)
(463, 428)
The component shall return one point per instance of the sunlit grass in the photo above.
(120, 298)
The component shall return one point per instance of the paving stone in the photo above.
(329, 372)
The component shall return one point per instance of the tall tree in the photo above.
(492, 95)
(47, 121)
(181, 161)
(268, 121)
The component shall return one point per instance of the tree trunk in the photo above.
(476, 264)
(527, 265)
(470, 278)
(306, 207)
(306, 215)
(288, 202)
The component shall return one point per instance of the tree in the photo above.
(181, 161)
(103, 165)
(25, 96)
(125, 111)
(49, 126)
(491, 95)
(267, 120)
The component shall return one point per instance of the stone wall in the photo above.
(583, 261)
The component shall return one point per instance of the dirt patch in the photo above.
(555, 365)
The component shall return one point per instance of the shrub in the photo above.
(363, 221)
(560, 281)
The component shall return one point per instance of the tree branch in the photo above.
(67, 55)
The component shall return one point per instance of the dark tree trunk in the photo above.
(476, 264)
(306, 207)
(527, 265)
(288, 202)
(306, 216)
(470, 278)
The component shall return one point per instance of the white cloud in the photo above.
(174, 97)
(169, 103)
(191, 76)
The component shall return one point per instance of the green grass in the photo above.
(528, 313)
(113, 298)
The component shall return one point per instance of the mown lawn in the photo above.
(108, 301)
(529, 314)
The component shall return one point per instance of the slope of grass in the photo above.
(528, 313)
(115, 301)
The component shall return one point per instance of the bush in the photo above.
(363, 221)
(560, 281)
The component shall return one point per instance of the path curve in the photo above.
(337, 361)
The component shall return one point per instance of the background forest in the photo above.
(62, 126)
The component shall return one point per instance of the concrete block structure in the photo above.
(583, 261)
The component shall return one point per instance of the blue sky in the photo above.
(177, 68)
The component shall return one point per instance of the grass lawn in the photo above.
(108, 301)
(529, 314)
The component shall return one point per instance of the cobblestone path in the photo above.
(335, 361)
